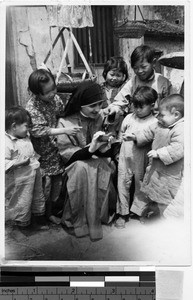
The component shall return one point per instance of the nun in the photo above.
(89, 164)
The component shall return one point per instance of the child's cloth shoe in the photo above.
(134, 216)
(41, 227)
(150, 213)
(120, 222)
(55, 220)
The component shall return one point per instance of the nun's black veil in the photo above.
(85, 94)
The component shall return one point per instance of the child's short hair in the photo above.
(37, 79)
(144, 95)
(118, 63)
(17, 115)
(173, 101)
(142, 52)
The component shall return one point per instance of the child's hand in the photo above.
(26, 161)
(72, 130)
(22, 161)
(128, 137)
(152, 154)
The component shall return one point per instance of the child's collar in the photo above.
(179, 121)
(11, 136)
(150, 114)
(151, 77)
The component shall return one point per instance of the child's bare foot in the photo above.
(55, 220)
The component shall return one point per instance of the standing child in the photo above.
(23, 181)
(143, 64)
(164, 177)
(44, 107)
(133, 160)
(115, 74)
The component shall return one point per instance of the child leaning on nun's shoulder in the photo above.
(44, 107)
(143, 60)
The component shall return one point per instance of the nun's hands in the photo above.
(99, 140)
(107, 146)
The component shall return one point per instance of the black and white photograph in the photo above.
(97, 133)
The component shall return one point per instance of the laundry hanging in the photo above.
(75, 16)
(66, 17)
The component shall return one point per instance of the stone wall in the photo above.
(31, 41)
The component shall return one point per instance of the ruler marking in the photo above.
(118, 284)
(81, 291)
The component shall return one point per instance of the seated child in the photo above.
(44, 107)
(163, 181)
(133, 160)
(23, 181)
(115, 74)
(143, 64)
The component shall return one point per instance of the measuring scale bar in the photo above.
(118, 286)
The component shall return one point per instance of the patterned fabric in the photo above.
(44, 116)
(132, 162)
(23, 185)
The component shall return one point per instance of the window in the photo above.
(101, 44)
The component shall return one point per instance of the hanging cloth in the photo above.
(76, 16)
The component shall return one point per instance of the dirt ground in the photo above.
(160, 242)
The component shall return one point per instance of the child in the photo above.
(23, 181)
(115, 74)
(164, 177)
(133, 160)
(44, 107)
(143, 63)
